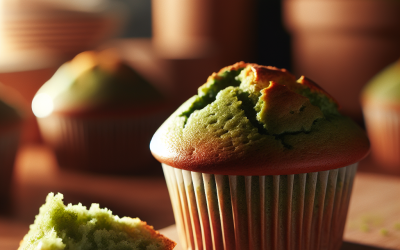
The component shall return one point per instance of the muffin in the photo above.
(99, 115)
(258, 160)
(11, 121)
(73, 227)
(380, 101)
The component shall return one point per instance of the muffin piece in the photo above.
(11, 121)
(258, 160)
(380, 101)
(99, 115)
(73, 227)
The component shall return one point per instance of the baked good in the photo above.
(258, 160)
(99, 115)
(73, 227)
(380, 100)
(11, 121)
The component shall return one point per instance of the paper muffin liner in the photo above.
(227, 212)
(383, 128)
(117, 145)
(9, 141)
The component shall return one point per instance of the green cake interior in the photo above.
(264, 111)
(73, 227)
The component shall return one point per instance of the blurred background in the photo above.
(172, 45)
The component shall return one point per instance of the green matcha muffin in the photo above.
(73, 227)
(258, 160)
(380, 101)
(99, 115)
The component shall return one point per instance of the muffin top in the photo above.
(96, 82)
(73, 227)
(249, 119)
(384, 88)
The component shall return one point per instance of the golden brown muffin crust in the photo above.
(256, 120)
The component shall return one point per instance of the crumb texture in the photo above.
(73, 227)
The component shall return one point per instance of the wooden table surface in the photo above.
(373, 220)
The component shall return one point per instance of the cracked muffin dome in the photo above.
(249, 119)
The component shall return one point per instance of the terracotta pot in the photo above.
(341, 44)
(196, 38)
(183, 29)
(197, 29)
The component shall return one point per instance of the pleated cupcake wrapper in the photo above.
(383, 127)
(9, 142)
(226, 212)
(86, 142)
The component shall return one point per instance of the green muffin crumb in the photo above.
(73, 227)
(397, 226)
(372, 220)
(384, 232)
(364, 228)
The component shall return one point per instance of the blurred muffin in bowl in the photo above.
(98, 114)
(381, 108)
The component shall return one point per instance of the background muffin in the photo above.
(98, 114)
(381, 107)
(259, 160)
